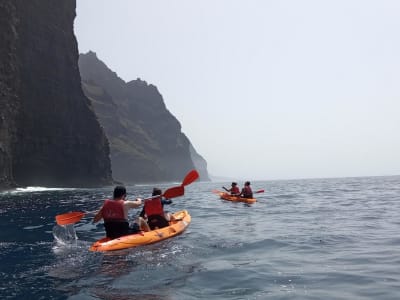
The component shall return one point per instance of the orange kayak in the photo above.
(145, 238)
(229, 197)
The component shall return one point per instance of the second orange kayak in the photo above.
(229, 197)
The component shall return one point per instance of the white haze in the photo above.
(264, 89)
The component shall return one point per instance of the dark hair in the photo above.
(119, 191)
(156, 192)
(234, 183)
(247, 183)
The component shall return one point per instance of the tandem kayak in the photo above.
(145, 238)
(229, 197)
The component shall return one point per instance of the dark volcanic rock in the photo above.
(49, 133)
(146, 141)
(8, 90)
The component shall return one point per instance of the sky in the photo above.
(264, 89)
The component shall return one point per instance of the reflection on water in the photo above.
(101, 293)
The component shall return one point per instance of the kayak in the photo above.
(229, 197)
(145, 238)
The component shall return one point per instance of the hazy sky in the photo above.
(264, 89)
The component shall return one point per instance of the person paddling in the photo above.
(154, 210)
(115, 215)
(246, 191)
(234, 190)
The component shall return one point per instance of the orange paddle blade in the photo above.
(216, 191)
(174, 192)
(69, 218)
(190, 177)
(259, 191)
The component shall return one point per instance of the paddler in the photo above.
(246, 191)
(115, 215)
(154, 210)
(234, 190)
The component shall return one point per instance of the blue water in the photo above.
(303, 239)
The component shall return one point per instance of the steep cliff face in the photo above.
(199, 163)
(8, 90)
(49, 134)
(145, 138)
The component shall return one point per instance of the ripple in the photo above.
(304, 239)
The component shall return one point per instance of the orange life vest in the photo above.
(113, 210)
(153, 207)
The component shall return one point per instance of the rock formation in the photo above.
(49, 134)
(199, 163)
(146, 141)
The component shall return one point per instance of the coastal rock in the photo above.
(146, 141)
(199, 163)
(49, 134)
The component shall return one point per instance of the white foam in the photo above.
(30, 189)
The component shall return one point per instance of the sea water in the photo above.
(302, 239)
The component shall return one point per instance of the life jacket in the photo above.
(247, 192)
(235, 190)
(113, 210)
(153, 207)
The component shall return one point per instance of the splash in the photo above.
(65, 235)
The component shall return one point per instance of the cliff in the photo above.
(200, 164)
(49, 134)
(8, 86)
(146, 141)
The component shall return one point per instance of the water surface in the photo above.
(303, 239)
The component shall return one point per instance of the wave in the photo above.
(30, 189)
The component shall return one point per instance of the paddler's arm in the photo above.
(166, 201)
(98, 216)
(133, 204)
(128, 204)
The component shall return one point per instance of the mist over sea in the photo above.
(303, 239)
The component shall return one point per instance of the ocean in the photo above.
(303, 239)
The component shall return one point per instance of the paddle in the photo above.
(178, 191)
(69, 218)
(173, 192)
(74, 217)
(190, 177)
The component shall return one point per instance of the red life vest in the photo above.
(153, 207)
(247, 192)
(113, 210)
(235, 190)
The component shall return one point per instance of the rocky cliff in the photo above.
(199, 163)
(8, 87)
(49, 134)
(146, 141)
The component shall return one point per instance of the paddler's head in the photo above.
(119, 192)
(234, 183)
(156, 192)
